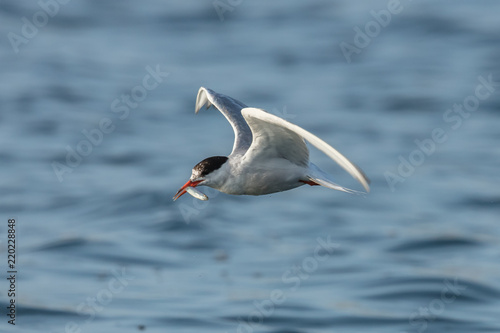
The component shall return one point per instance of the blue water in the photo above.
(101, 247)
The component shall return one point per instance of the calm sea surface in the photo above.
(98, 131)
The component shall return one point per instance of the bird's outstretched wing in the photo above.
(274, 136)
(231, 109)
(273, 139)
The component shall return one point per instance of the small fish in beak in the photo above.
(197, 194)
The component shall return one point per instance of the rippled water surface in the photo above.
(403, 89)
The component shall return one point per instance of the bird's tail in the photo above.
(318, 176)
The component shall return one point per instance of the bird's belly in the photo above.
(264, 181)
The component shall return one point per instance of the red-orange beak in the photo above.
(182, 190)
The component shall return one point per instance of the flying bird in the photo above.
(269, 155)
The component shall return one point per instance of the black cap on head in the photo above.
(208, 165)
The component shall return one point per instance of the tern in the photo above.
(269, 155)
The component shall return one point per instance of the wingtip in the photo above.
(364, 180)
(202, 100)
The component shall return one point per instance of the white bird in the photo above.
(269, 155)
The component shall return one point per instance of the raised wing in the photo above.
(271, 139)
(231, 109)
(263, 125)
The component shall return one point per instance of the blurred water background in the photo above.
(404, 89)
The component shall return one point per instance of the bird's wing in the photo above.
(231, 109)
(276, 136)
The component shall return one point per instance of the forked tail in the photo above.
(320, 177)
